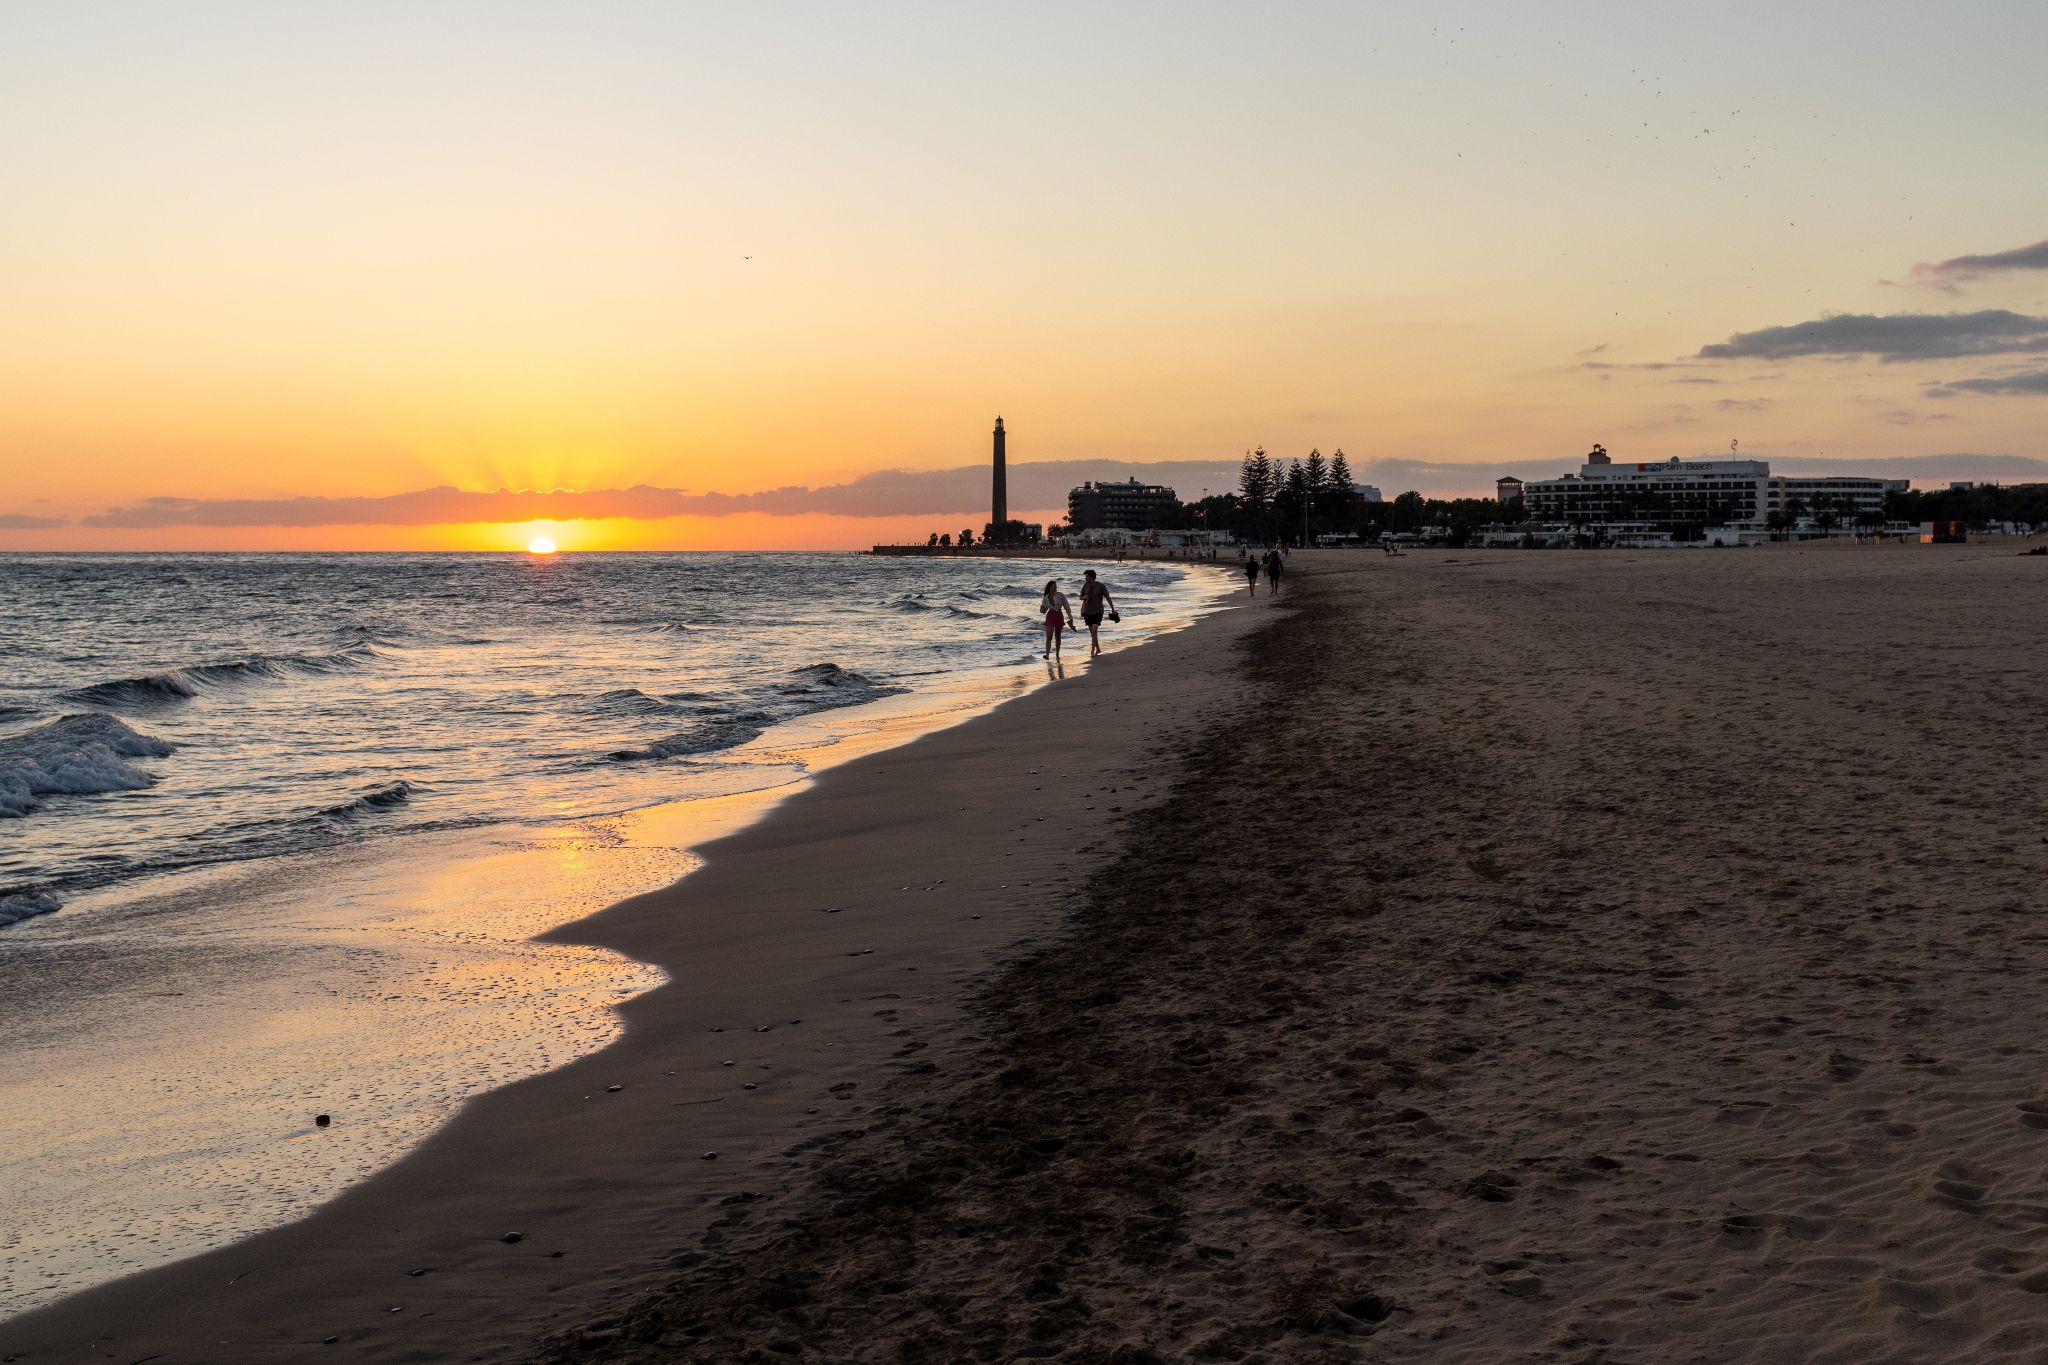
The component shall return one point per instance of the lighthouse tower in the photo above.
(1000, 504)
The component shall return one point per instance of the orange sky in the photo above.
(274, 252)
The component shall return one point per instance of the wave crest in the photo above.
(373, 800)
(182, 684)
(74, 756)
(813, 688)
(726, 732)
(20, 905)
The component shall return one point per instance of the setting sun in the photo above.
(540, 545)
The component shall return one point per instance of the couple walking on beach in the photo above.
(1272, 563)
(1059, 614)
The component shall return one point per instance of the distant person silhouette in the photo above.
(1251, 574)
(1273, 571)
(1053, 607)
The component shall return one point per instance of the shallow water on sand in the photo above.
(224, 969)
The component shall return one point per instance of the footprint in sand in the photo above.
(2034, 1114)
(2002, 1260)
(1963, 1184)
(1835, 1159)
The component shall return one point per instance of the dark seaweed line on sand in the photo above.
(1031, 1197)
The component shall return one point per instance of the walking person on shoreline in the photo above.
(1273, 572)
(1251, 574)
(1056, 611)
(1095, 599)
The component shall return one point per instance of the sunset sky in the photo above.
(288, 268)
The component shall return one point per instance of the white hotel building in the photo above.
(1734, 493)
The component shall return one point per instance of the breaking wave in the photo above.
(21, 905)
(182, 684)
(372, 801)
(814, 688)
(725, 732)
(75, 756)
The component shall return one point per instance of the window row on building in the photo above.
(1696, 492)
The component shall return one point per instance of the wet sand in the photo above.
(1548, 956)
(801, 958)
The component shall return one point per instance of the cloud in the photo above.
(22, 521)
(2033, 257)
(1891, 337)
(1905, 417)
(1742, 404)
(885, 493)
(2034, 382)
(1925, 468)
(964, 490)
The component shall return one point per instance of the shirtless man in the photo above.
(1095, 599)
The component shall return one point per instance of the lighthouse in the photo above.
(999, 504)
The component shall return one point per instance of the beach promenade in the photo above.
(1470, 957)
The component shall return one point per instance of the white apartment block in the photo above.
(1738, 493)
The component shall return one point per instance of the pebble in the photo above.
(613, 1089)
(761, 1028)
(748, 1086)
(328, 1341)
(416, 1273)
(710, 1156)
(513, 1237)
(322, 1120)
(725, 1063)
(556, 1255)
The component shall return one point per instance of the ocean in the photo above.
(277, 831)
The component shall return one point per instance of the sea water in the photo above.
(276, 832)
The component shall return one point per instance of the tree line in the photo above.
(2025, 502)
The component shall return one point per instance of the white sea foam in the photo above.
(75, 756)
(24, 904)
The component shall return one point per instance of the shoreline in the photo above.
(1508, 1019)
(557, 1141)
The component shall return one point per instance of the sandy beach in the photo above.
(1549, 956)
(809, 958)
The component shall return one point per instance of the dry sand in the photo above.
(1567, 957)
(1527, 956)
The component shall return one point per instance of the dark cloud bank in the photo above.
(936, 493)
(1891, 337)
(2033, 257)
(2034, 382)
